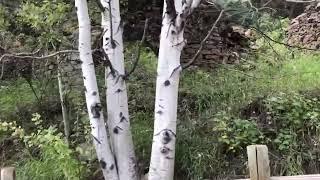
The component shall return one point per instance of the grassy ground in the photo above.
(212, 129)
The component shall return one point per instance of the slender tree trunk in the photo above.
(64, 110)
(117, 101)
(168, 73)
(98, 130)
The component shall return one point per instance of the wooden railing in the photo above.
(259, 169)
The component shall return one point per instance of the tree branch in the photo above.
(203, 42)
(135, 64)
(29, 56)
(19, 56)
(285, 44)
(300, 1)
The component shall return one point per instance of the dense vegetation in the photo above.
(270, 97)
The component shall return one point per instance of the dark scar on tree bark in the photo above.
(167, 157)
(167, 135)
(111, 167)
(123, 119)
(96, 139)
(174, 70)
(116, 129)
(171, 10)
(165, 150)
(95, 110)
(159, 112)
(94, 93)
(161, 106)
(103, 164)
(118, 90)
(166, 83)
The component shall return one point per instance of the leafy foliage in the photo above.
(53, 157)
(47, 19)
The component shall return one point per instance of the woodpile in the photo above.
(225, 45)
(304, 30)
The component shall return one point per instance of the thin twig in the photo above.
(203, 42)
(29, 56)
(17, 56)
(267, 3)
(297, 1)
(285, 44)
(2, 70)
(135, 64)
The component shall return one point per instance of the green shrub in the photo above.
(46, 155)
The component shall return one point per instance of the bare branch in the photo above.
(203, 42)
(2, 70)
(29, 56)
(267, 3)
(285, 44)
(300, 1)
(135, 64)
(18, 56)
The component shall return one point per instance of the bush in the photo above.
(46, 155)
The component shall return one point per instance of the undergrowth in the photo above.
(267, 98)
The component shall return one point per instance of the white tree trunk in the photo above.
(168, 73)
(117, 100)
(99, 133)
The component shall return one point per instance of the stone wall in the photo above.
(225, 45)
(304, 30)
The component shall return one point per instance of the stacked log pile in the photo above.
(225, 44)
(304, 30)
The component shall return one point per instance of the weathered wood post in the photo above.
(8, 173)
(258, 162)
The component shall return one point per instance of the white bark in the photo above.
(98, 129)
(117, 100)
(168, 73)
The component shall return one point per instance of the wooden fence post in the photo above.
(258, 162)
(8, 173)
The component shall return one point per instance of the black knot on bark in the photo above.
(166, 137)
(167, 83)
(116, 129)
(171, 10)
(165, 150)
(95, 110)
(103, 164)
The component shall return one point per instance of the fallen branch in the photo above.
(203, 42)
